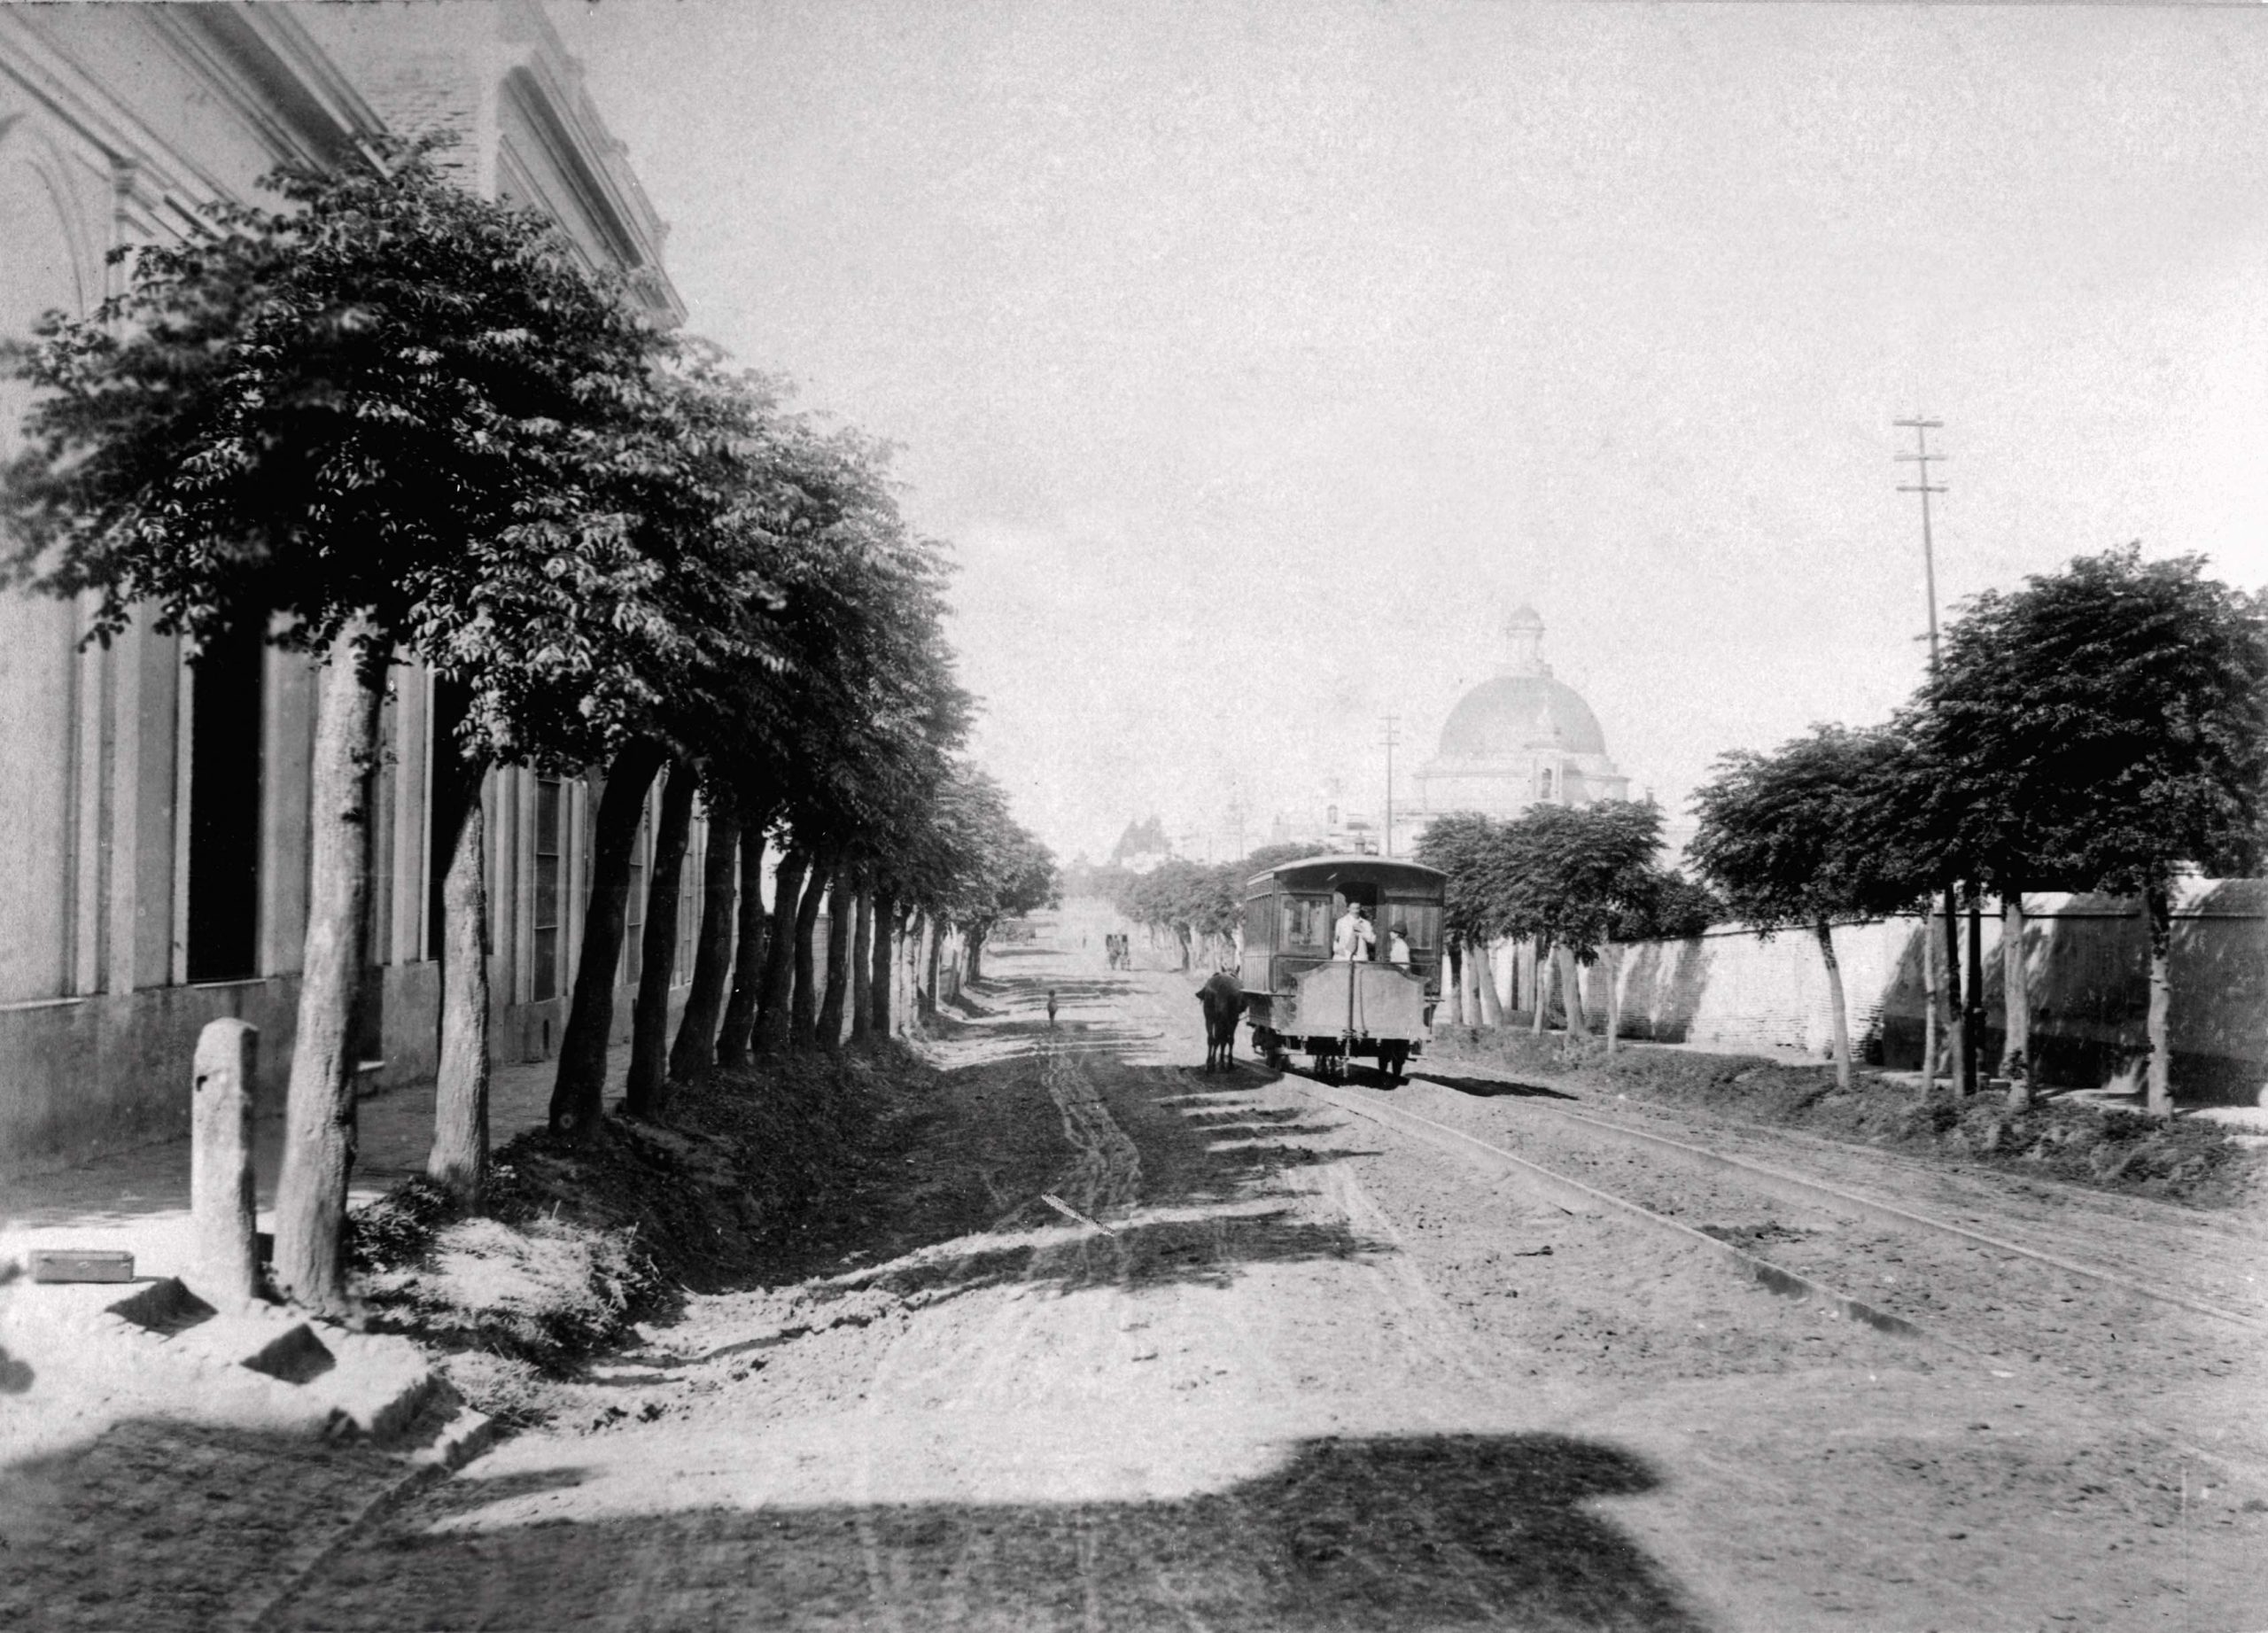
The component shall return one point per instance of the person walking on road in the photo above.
(1050, 1009)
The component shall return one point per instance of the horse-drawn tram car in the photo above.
(1342, 958)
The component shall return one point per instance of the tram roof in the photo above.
(1322, 872)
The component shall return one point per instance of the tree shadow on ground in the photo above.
(1210, 1251)
(1246, 1116)
(1203, 1195)
(1221, 1185)
(1496, 1088)
(158, 1524)
(1419, 1531)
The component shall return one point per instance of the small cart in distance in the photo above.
(1299, 998)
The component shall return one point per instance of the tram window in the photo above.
(1259, 924)
(1306, 922)
(1422, 922)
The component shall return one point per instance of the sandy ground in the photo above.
(1135, 1346)
(1261, 1365)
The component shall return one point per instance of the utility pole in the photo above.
(1391, 737)
(1922, 459)
(1968, 1011)
(1236, 821)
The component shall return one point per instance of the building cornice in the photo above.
(549, 83)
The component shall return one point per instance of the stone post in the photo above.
(219, 1161)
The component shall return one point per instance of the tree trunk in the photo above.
(1931, 989)
(1484, 975)
(578, 1092)
(974, 960)
(2016, 1055)
(842, 936)
(458, 1162)
(909, 990)
(1972, 1015)
(803, 1008)
(1610, 960)
(1956, 1031)
(880, 1006)
(1545, 967)
(1453, 989)
(862, 963)
(319, 1112)
(775, 1015)
(648, 1093)
(936, 932)
(695, 1050)
(1571, 984)
(1838, 1020)
(2157, 909)
(749, 960)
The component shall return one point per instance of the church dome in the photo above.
(1523, 711)
(1516, 715)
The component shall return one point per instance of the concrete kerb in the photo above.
(1566, 1191)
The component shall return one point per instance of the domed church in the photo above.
(1518, 739)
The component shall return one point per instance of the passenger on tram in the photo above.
(1397, 945)
(1352, 937)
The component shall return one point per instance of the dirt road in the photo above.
(1260, 1365)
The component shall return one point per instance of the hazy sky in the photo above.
(1258, 359)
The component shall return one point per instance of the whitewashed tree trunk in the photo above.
(1492, 1012)
(2015, 1053)
(319, 1108)
(1571, 985)
(2157, 909)
(1838, 1018)
(1932, 1039)
(1610, 961)
(458, 1160)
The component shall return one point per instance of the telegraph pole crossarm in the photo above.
(1923, 459)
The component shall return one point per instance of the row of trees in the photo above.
(1198, 906)
(2101, 728)
(386, 420)
(1573, 882)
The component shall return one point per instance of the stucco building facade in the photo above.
(153, 824)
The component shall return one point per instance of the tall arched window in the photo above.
(224, 807)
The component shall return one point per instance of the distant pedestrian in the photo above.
(1050, 1009)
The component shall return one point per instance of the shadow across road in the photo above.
(1416, 1531)
(1493, 1088)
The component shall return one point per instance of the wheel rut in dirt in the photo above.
(1107, 1176)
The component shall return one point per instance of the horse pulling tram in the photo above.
(1363, 1003)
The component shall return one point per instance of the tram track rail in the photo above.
(1803, 1190)
(1950, 1284)
(1566, 1189)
